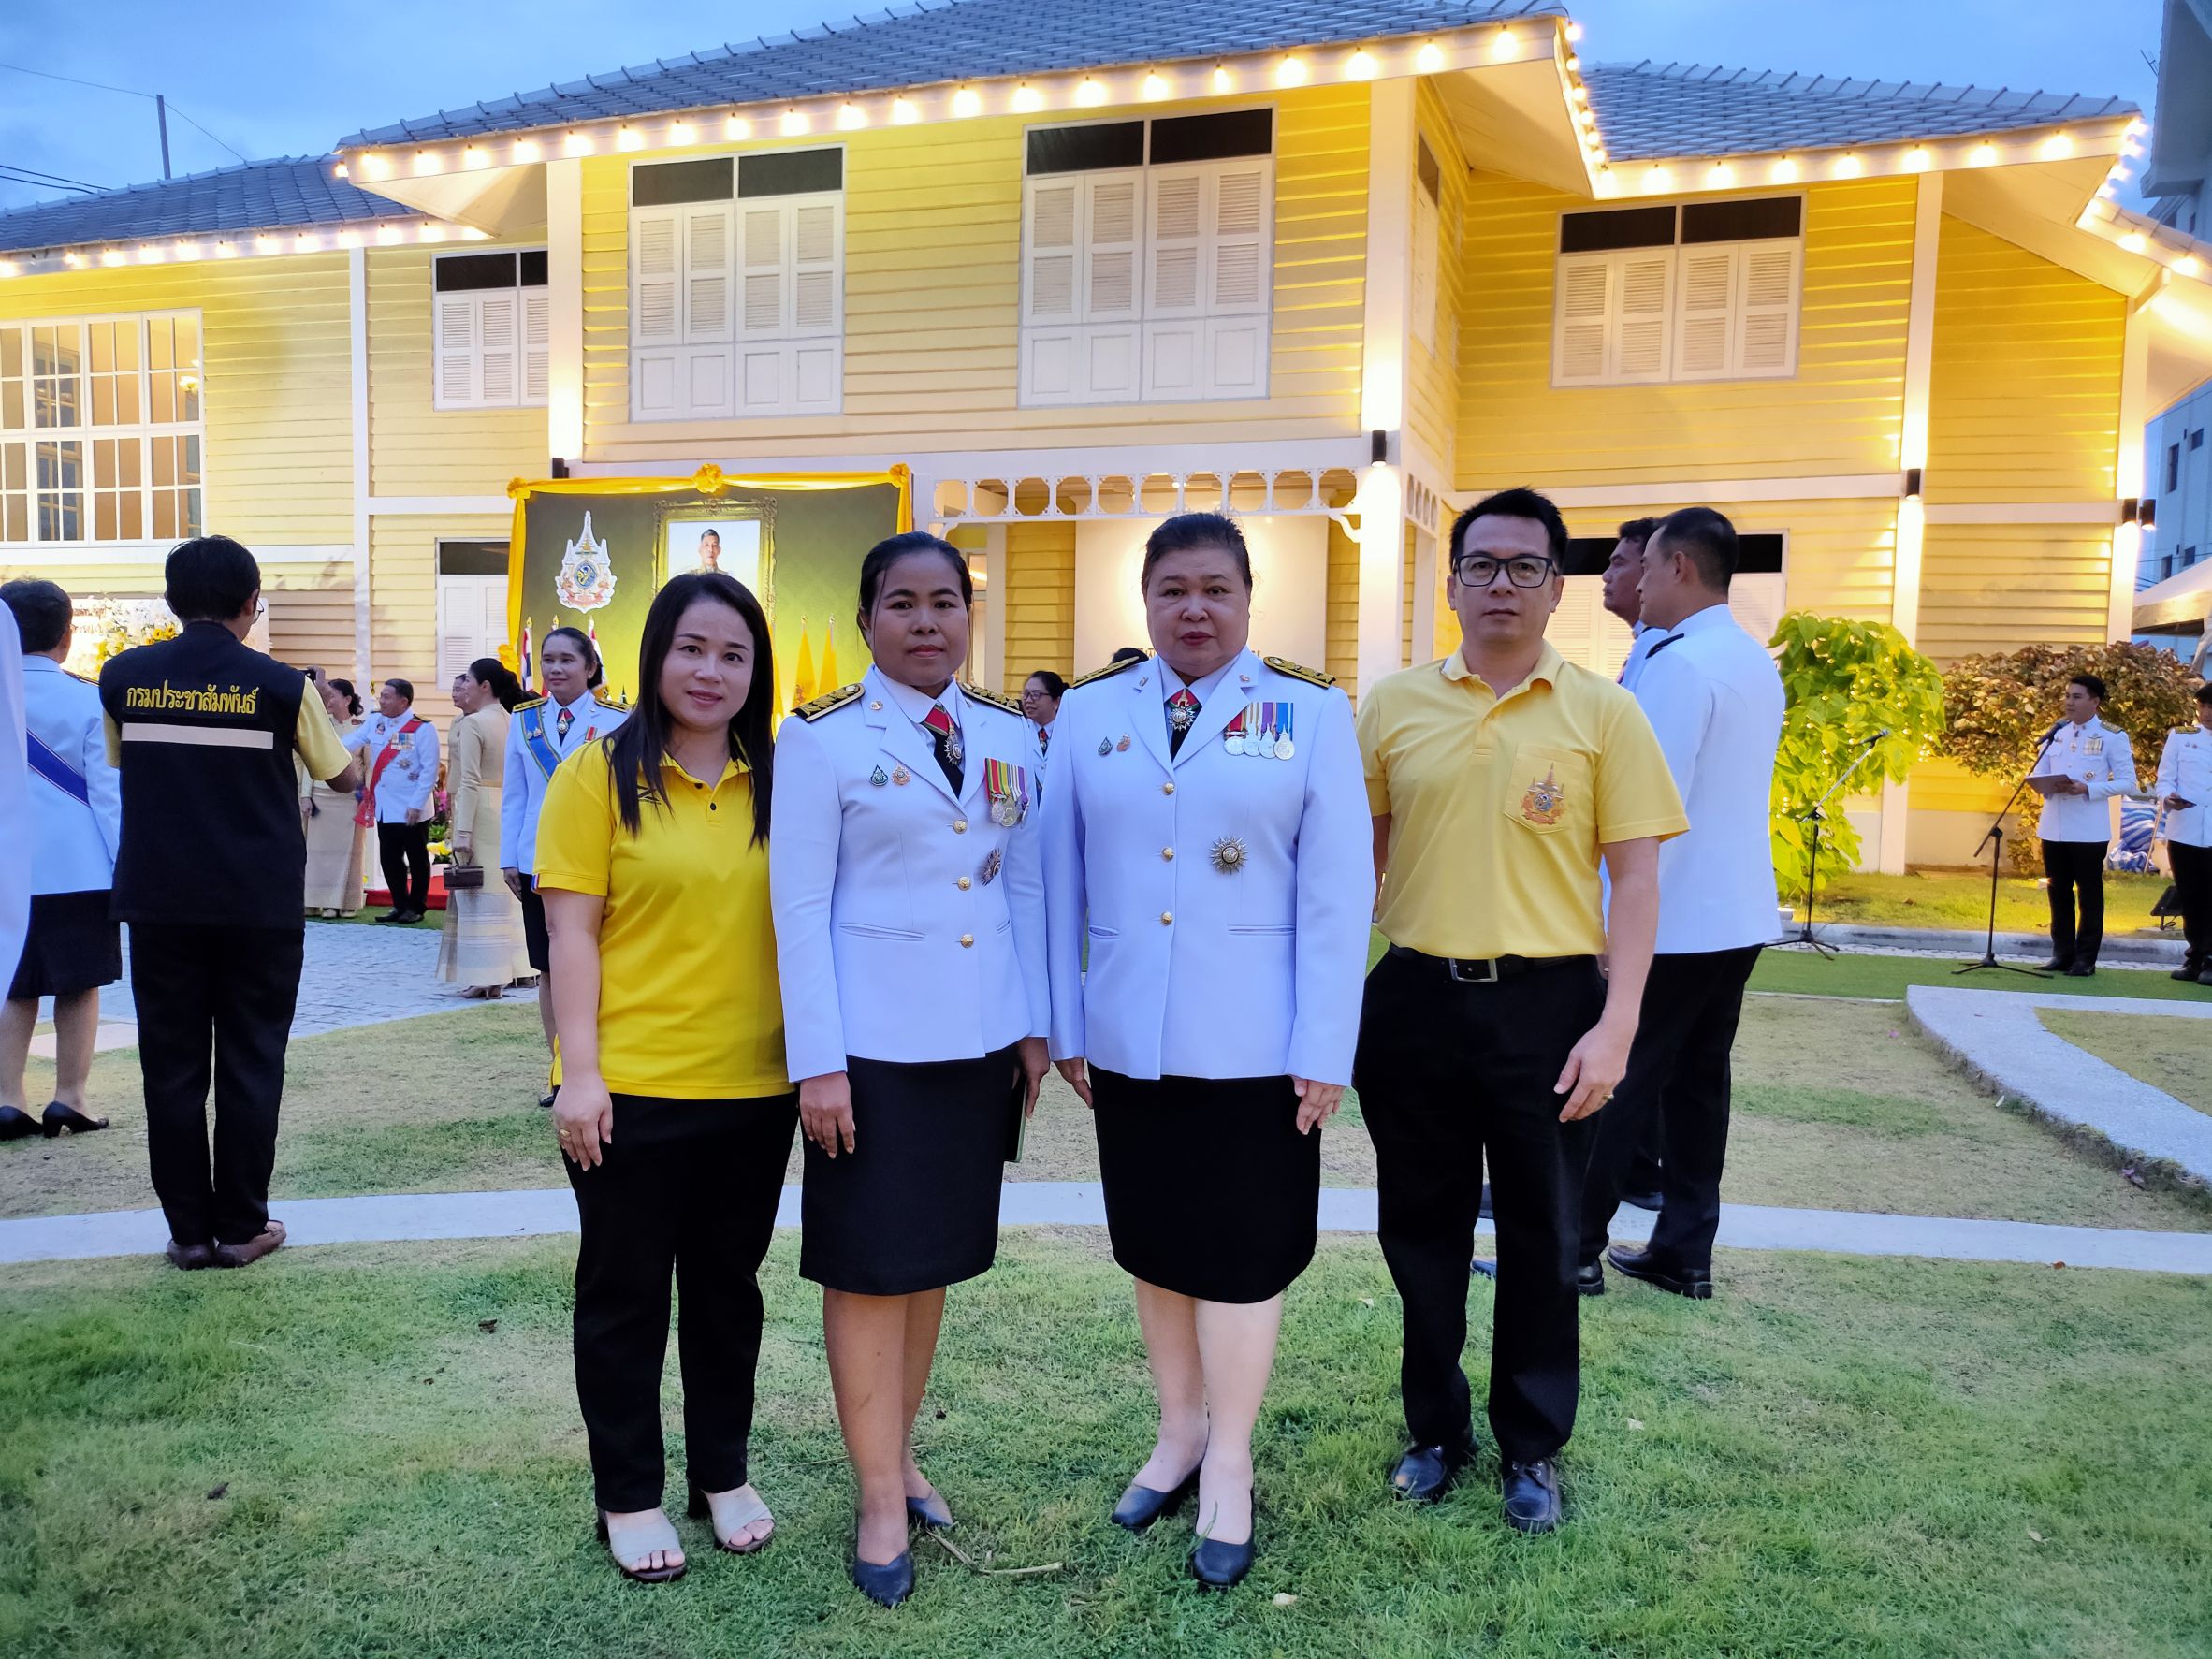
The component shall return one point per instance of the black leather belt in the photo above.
(1488, 971)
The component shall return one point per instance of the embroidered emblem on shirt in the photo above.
(1545, 799)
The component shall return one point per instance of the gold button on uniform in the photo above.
(960, 826)
(966, 939)
(1168, 854)
(1167, 789)
(963, 883)
(1166, 917)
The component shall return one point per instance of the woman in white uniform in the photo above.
(1206, 833)
(910, 929)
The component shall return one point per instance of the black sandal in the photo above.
(59, 1118)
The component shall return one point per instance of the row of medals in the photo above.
(1266, 744)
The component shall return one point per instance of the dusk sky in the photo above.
(277, 80)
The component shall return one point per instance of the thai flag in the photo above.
(530, 677)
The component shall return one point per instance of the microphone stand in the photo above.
(1994, 840)
(1816, 817)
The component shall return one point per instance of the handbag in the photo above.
(464, 878)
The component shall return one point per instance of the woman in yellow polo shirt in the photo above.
(675, 1111)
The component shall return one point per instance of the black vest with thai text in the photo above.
(211, 803)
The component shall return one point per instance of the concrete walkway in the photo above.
(1995, 1036)
(419, 1216)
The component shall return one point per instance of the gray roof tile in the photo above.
(252, 195)
(935, 41)
(1647, 111)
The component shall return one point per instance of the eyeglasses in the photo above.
(1479, 569)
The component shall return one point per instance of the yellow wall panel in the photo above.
(1840, 414)
(415, 448)
(1941, 785)
(1998, 587)
(1342, 612)
(1432, 389)
(277, 381)
(403, 597)
(933, 238)
(1040, 600)
(2023, 394)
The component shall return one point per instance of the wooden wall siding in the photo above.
(311, 617)
(1405, 582)
(404, 598)
(1841, 413)
(1840, 561)
(2024, 391)
(1343, 614)
(276, 347)
(1944, 786)
(933, 235)
(1432, 389)
(125, 577)
(1040, 600)
(1996, 586)
(415, 448)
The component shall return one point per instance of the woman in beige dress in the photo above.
(334, 840)
(482, 948)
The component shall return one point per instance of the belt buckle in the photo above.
(1488, 977)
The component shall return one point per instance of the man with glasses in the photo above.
(1498, 778)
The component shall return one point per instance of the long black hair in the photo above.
(633, 749)
(490, 671)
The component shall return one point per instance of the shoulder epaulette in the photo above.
(1313, 677)
(996, 699)
(1111, 669)
(827, 701)
(529, 703)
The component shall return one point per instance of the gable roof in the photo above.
(942, 40)
(251, 195)
(1650, 111)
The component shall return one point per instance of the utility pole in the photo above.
(161, 114)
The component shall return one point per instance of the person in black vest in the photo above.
(211, 874)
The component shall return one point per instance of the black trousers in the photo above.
(2193, 884)
(1449, 1073)
(1678, 1073)
(688, 1188)
(213, 1001)
(2076, 872)
(404, 851)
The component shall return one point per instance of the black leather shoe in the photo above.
(2188, 970)
(886, 1585)
(931, 1511)
(58, 1117)
(1425, 1473)
(2081, 971)
(1653, 1200)
(1219, 1565)
(546, 1100)
(1532, 1495)
(1141, 1505)
(2057, 965)
(16, 1124)
(1590, 1278)
(1693, 1282)
(190, 1257)
(2204, 977)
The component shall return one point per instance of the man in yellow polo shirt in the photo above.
(1499, 778)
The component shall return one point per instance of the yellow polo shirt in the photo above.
(1498, 805)
(688, 1004)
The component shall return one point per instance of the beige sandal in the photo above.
(637, 1540)
(731, 1515)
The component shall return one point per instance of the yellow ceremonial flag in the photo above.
(801, 680)
(827, 678)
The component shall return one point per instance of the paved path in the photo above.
(1081, 1204)
(1995, 1036)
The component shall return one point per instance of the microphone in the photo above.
(2056, 727)
(1877, 736)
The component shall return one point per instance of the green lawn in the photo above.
(373, 916)
(2174, 1055)
(1804, 973)
(331, 1455)
(1960, 898)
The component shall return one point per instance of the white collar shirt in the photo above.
(1640, 649)
(2185, 769)
(2098, 755)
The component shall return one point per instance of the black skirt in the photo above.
(537, 944)
(73, 945)
(1211, 1191)
(914, 1205)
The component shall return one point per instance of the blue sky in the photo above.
(288, 79)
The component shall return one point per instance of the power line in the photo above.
(232, 148)
(12, 174)
(128, 91)
(16, 166)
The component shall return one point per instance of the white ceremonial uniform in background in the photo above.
(2098, 756)
(405, 784)
(523, 794)
(910, 921)
(2185, 769)
(1639, 650)
(1714, 698)
(15, 806)
(1199, 971)
(72, 842)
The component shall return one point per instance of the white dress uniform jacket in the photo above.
(2185, 769)
(72, 841)
(1640, 648)
(523, 796)
(15, 803)
(1225, 897)
(1714, 697)
(406, 783)
(909, 921)
(2098, 754)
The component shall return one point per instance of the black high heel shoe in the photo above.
(1218, 1566)
(58, 1117)
(886, 1585)
(1141, 1505)
(15, 1123)
(932, 1511)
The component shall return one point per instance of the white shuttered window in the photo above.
(489, 316)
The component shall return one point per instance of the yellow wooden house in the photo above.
(1340, 267)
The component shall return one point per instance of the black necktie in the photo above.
(1183, 710)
